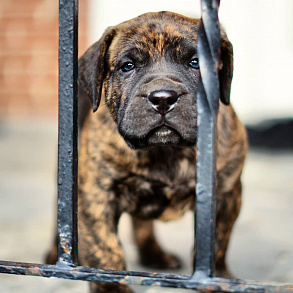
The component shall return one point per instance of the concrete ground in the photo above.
(261, 247)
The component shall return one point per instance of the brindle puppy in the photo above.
(138, 152)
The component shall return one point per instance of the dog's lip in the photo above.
(163, 130)
(163, 135)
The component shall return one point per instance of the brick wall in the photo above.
(29, 56)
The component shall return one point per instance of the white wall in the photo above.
(262, 35)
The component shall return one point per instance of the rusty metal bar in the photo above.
(144, 279)
(207, 105)
(67, 136)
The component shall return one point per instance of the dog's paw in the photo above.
(160, 260)
(51, 257)
(109, 288)
(224, 273)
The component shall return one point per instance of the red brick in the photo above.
(29, 56)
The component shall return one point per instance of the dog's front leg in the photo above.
(150, 252)
(98, 242)
(227, 211)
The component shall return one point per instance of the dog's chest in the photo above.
(162, 188)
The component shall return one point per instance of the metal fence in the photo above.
(208, 92)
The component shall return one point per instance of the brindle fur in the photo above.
(125, 166)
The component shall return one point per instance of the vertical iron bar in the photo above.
(67, 136)
(207, 105)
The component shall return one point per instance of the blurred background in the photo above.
(262, 94)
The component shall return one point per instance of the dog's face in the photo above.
(148, 69)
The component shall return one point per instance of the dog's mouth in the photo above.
(163, 135)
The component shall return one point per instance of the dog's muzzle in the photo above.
(160, 112)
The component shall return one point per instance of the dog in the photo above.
(138, 151)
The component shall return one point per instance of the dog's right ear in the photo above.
(226, 72)
(91, 67)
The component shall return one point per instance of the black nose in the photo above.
(163, 101)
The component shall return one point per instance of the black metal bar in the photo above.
(145, 279)
(207, 105)
(67, 137)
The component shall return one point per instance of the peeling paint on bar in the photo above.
(67, 136)
(144, 279)
(207, 107)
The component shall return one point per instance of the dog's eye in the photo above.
(194, 63)
(127, 66)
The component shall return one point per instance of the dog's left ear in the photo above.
(91, 67)
(226, 72)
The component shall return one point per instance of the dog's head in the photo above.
(148, 69)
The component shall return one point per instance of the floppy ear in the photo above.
(91, 67)
(226, 72)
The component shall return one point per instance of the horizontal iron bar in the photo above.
(141, 278)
